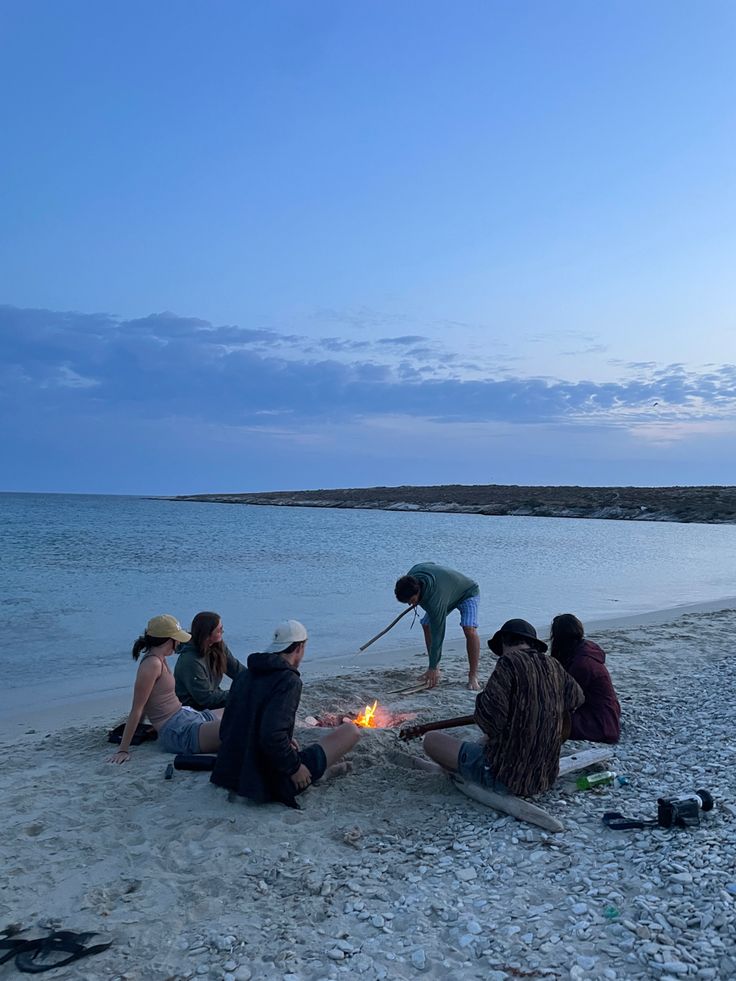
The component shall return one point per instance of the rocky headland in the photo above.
(707, 505)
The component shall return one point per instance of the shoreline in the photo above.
(106, 700)
(687, 504)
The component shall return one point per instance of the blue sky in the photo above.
(282, 245)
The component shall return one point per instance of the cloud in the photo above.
(163, 364)
(407, 339)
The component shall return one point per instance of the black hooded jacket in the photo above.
(256, 758)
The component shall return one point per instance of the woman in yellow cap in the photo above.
(180, 729)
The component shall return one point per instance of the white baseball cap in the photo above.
(288, 632)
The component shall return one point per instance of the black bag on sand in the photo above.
(194, 761)
(143, 732)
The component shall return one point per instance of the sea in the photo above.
(81, 574)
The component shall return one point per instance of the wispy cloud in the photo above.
(166, 364)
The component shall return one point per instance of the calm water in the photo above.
(81, 574)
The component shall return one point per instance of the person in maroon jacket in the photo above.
(599, 718)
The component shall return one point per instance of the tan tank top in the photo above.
(162, 703)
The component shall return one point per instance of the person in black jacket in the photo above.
(259, 757)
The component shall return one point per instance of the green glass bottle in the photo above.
(591, 780)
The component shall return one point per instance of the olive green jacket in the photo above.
(196, 684)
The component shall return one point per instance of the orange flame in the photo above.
(367, 717)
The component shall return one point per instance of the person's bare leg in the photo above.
(443, 749)
(339, 742)
(209, 737)
(472, 645)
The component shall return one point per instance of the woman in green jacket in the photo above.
(202, 663)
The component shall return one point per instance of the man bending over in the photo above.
(259, 757)
(439, 590)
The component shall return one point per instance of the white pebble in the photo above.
(587, 963)
(466, 874)
(419, 959)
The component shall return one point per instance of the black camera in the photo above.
(683, 812)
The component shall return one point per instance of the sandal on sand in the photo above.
(42, 954)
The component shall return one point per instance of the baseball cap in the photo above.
(167, 626)
(288, 632)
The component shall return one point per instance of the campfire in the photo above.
(367, 718)
(373, 716)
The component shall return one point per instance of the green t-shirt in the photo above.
(443, 590)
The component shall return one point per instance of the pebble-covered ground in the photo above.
(388, 872)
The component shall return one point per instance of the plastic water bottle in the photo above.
(589, 781)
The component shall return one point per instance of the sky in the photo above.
(323, 244)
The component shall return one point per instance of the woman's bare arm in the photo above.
(148, 674)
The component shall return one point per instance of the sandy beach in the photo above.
(388, 872)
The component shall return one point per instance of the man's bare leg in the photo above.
(443, 749)
(336, 744)
(472, 645)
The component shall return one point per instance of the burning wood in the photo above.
(373, 716)
(367, 717)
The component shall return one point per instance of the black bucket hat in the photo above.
(519, 628)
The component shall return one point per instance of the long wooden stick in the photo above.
(392, 624)
(411, 690)
(413, 732)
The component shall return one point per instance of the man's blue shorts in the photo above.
(473, 767)
(468, 613)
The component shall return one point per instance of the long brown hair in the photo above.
(202, 626)
(565, 633)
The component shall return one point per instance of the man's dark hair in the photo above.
(406, 588)
(292, 647)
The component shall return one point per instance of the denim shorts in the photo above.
(468, 613)
(473, 767)
(181, 733)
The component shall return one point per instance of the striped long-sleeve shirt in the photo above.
(523, 710)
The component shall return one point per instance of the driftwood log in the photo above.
(524, 810)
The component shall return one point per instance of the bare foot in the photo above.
(427, 765)
(414, 762)
(473, 683)
(337, 770)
